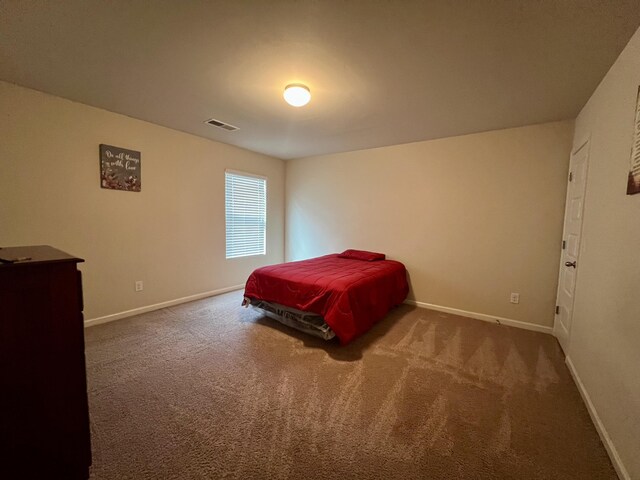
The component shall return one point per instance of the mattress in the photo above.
(350, 294)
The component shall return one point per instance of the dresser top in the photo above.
(33, 254)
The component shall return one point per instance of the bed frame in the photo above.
(306, 322)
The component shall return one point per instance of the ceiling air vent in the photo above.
(219, 124)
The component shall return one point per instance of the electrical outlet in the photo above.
(515, 298)
(139, 286)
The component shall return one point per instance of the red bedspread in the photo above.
(351, 295)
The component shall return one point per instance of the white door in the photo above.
(569, 261)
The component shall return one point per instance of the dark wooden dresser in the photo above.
(44, 428)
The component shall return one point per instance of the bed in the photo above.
(338, 294)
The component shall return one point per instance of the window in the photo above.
(245, 213)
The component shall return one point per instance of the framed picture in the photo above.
(120, 169)
(633, 182)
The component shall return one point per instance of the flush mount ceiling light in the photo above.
(297, 95)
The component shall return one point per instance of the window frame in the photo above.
(237, 252)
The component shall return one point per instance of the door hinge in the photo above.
(570, 176)
(557, 309)
(564, 244)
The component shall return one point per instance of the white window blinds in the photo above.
(245, 213)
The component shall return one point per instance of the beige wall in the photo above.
(473, 218)
(604, 344)
(171, 235)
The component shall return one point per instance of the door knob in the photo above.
(570, 264)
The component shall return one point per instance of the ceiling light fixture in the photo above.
(297, 95)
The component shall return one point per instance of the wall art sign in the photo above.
(633, 183)
(120, 168)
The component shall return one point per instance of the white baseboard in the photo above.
(484, 317)
(604, 436)
(158, 306)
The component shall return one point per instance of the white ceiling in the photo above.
(380, 72)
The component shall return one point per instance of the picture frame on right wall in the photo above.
(633, 182)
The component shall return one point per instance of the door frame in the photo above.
(584, 143)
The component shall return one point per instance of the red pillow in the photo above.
(362, 255)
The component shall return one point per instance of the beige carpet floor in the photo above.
(210, 390)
